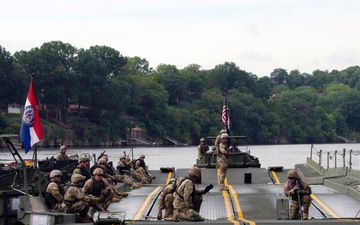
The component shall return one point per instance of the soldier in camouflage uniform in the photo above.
(187, 200)
(62, 154)
(82, 167)
(124, 167)
(54, 192)
(141, 168)
(117, 178)
(99, 187)
(217, 140)
(221, 160)
(78, 202)
(202, 148)
(165, 200)
(297, 189)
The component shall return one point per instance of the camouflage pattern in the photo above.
(304, 192)
(112, 179)
(106, 195)
(53, 189)
(78, 202)
(202, 149)
(221, 160)
(165, 201)
(132, 172)
(62, 154)
(187, 201)
(143, 171)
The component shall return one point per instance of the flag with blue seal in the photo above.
(30, 131)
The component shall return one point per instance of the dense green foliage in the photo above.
(109, 93)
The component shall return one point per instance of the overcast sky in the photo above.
(257, 35)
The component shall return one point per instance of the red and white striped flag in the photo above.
(225, 116)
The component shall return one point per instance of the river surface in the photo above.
(185, 157)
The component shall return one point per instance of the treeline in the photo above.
(112, 93)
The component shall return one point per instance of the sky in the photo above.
(257, 35)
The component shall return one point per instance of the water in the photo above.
(185, 157)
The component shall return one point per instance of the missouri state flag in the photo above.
(30, 131)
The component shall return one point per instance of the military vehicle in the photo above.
(236, 159)
(22, 182)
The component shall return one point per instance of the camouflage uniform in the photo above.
(54, 192)
(187, 200)
(101, 189)
(295, 187)
(62, 154)
(125, 167)
(165, 201)
(221, 160)
(78, 202)
(81, 167)
(217, 140)
(202, 148)
(141, 168)
(111, 179)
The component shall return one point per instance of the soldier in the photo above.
(300, 192)
(99, 187)
(234, 148)
(141, 168)
(202, 148)
(82, 167)
(221, 160)
(78, 202)
(62, 154)
(117, 178)
(124, 167)
(165, 200)
(54, 192)
(217, 140)
(187, 200)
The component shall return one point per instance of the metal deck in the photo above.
(245, 203)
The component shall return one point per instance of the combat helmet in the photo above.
(194, 172)
(98, 171)
(224, 135)
(77, 177)
(101, 160)
(202, 139)
(222, 131)
(62, 147)
(123, 157)
(55, 173)
(83, 158)
(292, 173)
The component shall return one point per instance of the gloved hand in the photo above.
(159, 215)
(208, 188)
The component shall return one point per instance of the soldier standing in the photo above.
(300, 192)
(187, 200)
(62, 154)
(54, 192)
(202, 148)
(221, 160)
(217, 140)
(78, 202)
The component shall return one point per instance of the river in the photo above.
(184, 157)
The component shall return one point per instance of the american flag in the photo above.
(225, 115)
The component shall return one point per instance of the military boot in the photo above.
(176, 215)
(136, 185)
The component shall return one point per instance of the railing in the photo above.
(333, 157)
